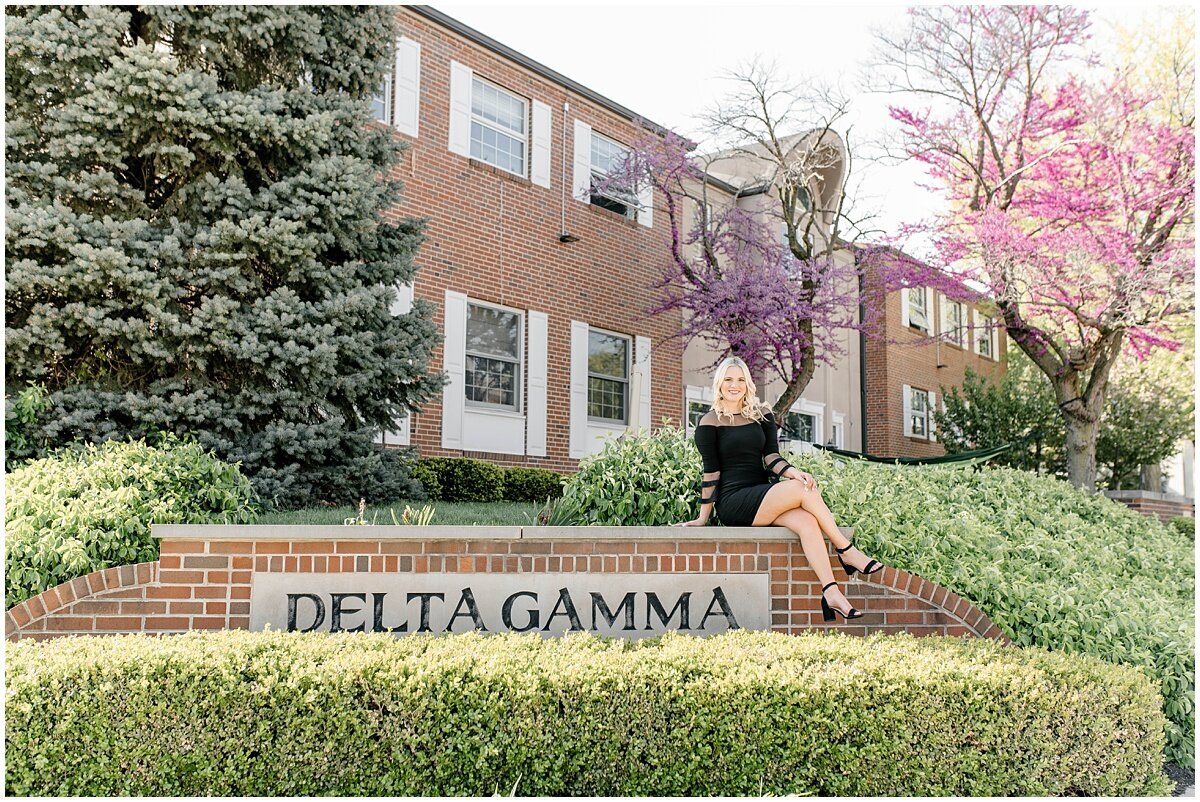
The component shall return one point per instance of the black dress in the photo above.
(737, 452)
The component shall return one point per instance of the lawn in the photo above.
(446, 513)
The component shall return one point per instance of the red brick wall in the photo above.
(1156, 504)
(200, 584)
(900, 356)
(494, 236)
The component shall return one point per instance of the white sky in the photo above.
(664, 62)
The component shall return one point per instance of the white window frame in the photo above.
(985, 328)
(906, 299)
(837, 432)
(817, 411)
(631, 201)
(958, 334)
(628, 380)
(501, 130)
(910, 413)
(694, 394)
(519, 374)
(386, 89)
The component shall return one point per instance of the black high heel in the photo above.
(873, 567)
(829, 612)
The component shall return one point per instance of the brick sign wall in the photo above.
(207, 576)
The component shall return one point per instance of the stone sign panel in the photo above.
(614, 605)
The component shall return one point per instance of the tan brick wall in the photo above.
(494, 236)
(205, 585)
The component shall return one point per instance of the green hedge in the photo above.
(277, 714)
(531, 484)
(465, 479)
(83, 510)
(1053, 566)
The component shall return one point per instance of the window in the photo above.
(985, 336)
(696, 411)
(918, 308)
(837, 437)
(492, 375)
(498, 127)
(381, 106)
(800, 426)
(918, 413)
(608, 377)
(607, 157)
(954, 322)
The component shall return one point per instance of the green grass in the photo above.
(462, 513)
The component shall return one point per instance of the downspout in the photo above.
(862, 351)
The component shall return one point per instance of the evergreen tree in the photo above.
(196, 240)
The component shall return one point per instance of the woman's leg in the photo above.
(804, 524)
(792, 494)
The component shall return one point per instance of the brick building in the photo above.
(540, 287)
(925, 342)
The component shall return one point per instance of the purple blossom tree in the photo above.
(769, 274)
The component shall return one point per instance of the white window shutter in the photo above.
(642, 355)
(579, 358)
(404, 300)
(907, 407)
(582, 184)
(904, 307)
(645, 214)
(460, 108)
(406, 89)
(995, 333)
(535, 397)
(929, 315)
(542, 125)
(929, 411)
(454, 363)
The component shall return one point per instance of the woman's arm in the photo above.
(706, 443)
(774, 462)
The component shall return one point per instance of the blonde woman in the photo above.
(738, 442)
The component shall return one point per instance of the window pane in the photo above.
(491, 381)
(492, 332)
(606, 399)
(608, 355)
(379, 107)
(696, 411)
(800, 426)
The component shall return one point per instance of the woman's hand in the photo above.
(806, 479)
(696, 522)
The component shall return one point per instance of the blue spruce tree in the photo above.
(196, 240)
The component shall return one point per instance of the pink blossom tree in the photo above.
(1069, 201)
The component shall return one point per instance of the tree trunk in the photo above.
(800, 380)
(1151, 476)
(1082, 434)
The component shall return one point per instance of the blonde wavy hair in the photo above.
(751, 406)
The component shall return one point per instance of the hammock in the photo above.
(968, 458)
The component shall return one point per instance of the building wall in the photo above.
(494, 237)
(901, 355)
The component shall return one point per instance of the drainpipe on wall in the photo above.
(862, 352)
